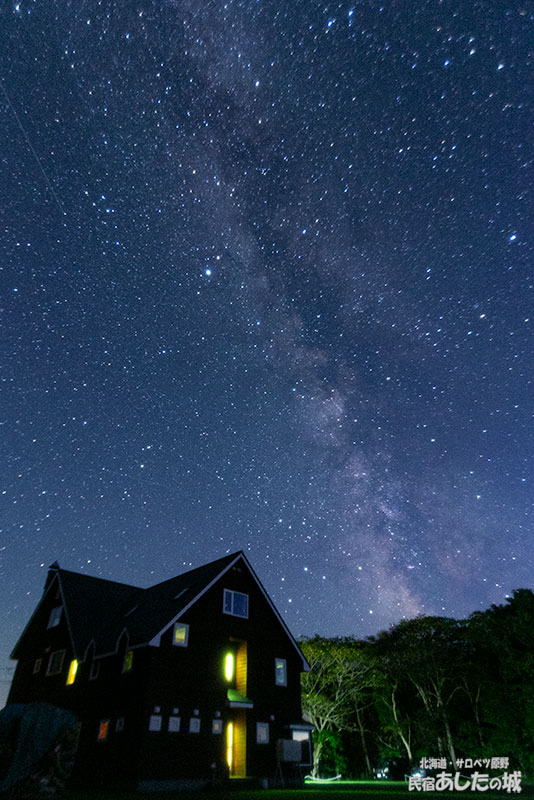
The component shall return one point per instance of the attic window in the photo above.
(235, 603)
(180, 636)
(55, 616)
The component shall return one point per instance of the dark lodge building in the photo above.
(192, 680)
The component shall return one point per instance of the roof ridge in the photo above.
(62, 571)
(200, 569)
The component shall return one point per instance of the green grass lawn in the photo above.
(341, 790)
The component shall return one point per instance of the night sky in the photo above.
(266, 278)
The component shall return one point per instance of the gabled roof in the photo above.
(91, 606)
(150, 612)
(100, 610)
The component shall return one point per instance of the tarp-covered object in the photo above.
(38, 745)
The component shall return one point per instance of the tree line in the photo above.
(429, 686)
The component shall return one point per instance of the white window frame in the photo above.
(61, 658)
(231, 594)
(55, 617)
(279, 662)
(178, 625)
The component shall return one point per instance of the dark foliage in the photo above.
(430, 686)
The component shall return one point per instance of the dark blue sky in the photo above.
(266, 279)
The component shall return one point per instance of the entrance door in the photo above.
(236, 744)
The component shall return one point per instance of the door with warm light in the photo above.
(236, 744)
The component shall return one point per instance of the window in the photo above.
(37, 665)
(174, 724)
(71, 676)
(119, 725)
(216, 726)
(103, 730)
(180, 636)
(280, 671)
(95, 669)
(154, 723)
(55, 662)
(128, 661)
(194, 725)
(235, 603)
(55, 616)
(229, 667)
(262, 732)
(230, 745)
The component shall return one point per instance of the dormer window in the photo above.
(235, 603)
(127, 664)
(180, 635)
(55, 616)
(55, 662)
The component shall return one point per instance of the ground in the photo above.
(343, 790)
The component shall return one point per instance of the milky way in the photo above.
(266, 280)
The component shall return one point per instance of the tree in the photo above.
(332, 691)
(504, 636)
(425, 653)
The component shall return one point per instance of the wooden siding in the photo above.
(173, 681)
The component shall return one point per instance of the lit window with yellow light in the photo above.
(229, 666)
(73, 669)
(230, 745)
(180, 634)
(128, 661)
